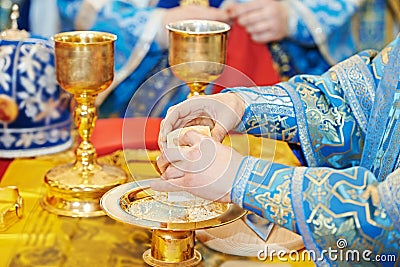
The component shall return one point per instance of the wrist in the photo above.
(162, 33)
(292, 18)
(242, 177)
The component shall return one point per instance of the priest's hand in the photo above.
(222, 112)
(265, 20)
(200, 165)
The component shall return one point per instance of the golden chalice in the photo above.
(84, 67)
(197, 52)
(197, 55)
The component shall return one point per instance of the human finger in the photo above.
(191, 138)
(201, 154)
(259, 27)
(170, 155)
(172, 185)
(178, 116)
(217, 14)
(236, 10)
(251, 18)
(218, 132)
(175, 118)
(172, 173)
(265, 37)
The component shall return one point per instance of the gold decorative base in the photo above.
(72, 192)
(173, 232)
(169, 248)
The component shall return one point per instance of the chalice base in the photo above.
(173, 229)
(150, 260)
(74, 193)
(172, 248)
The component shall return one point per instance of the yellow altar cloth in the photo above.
(43, 239)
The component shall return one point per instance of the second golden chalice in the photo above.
(84, 67)
(197, 52)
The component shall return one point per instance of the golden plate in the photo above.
(137, 204)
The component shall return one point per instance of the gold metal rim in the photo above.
(222, 27)
(111, 204)
(70, 213)
(154, 262)
(63, 37)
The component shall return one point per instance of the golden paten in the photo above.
(173, 231)
(197, 52)
(84, 67)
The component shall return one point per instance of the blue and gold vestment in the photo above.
(321, 33)
(347, 124)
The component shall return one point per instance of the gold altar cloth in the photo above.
(44, 239)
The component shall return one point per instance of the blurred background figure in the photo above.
(44, 24)
(286, 38)
(39, 17)
(5, 11)
(309, 36)
(141, 48)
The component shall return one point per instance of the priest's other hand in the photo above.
(199, 165)
(265, 20)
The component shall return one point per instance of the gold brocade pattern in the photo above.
(194, 2)
(356, 202)
(279, 204)
(45, 239)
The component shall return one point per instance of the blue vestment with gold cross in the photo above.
(346, 121)
(322, 33)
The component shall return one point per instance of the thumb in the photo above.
(218, 132)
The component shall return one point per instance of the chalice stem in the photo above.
(85, 120)
(197, 88)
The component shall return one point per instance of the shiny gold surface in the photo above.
(171, 248)
(194, 2)
(84, 62)
(42, 238)
(11, 206)
(172, 241)
(117, 201)
(197, 52)
(84, 67)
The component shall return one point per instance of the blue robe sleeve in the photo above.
(347, 213)
(340, 28)
(339, 213)
(323, 33)
(314, 111)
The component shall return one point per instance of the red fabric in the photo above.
(252, 59)
(113, 134)
(3, 166)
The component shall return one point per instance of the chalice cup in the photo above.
(197, 52)
(84, 67)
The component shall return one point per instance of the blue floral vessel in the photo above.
(35, 116)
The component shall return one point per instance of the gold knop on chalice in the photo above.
(84, 67)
